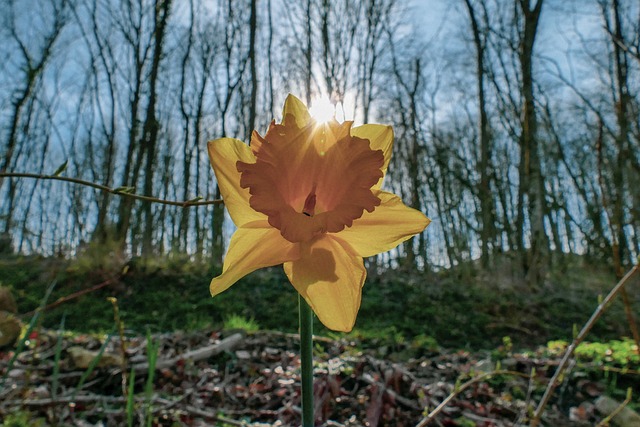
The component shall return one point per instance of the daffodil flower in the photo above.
(307, 195)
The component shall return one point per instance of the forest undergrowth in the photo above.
(419, 337)
(461, 308)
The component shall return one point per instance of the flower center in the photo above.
(312, 180)
(310, 203)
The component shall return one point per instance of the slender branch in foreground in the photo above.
(432, 415)
(64, 299)
(578, 339)
(120, 191)
(606, 421)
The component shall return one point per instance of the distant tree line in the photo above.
(509, 144)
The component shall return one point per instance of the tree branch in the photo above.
(120, 191)
(578, 339)
(432, 415)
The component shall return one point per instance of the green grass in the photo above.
(235, 321)
(22, 419)
(458, 308)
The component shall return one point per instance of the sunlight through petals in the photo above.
(295, 113)
(381, 138)
(330, 277)
(325, 162)
(224, 153)
(391, 223)
(254, 246)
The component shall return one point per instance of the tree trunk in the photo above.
(308, 55)
(622, 139)
(253, 27)
(532, 184)
(487, 232)
(151, 125)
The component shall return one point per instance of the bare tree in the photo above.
(151, 126)
(611, 14)
(129, 21)
(373, 41)
(532, 192)
(229, 73)
(34, 56)
(484, 163)
(253, 73)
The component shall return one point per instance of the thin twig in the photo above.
(194, 355)
(622, 45)
(527, 401)
(121, 191)
(577, 340)
(395, 396)
(608, 418)
(432, 415)
(69, 297)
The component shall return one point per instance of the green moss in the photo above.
(619, 353)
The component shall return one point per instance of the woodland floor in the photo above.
(251, 379)
(420, 337)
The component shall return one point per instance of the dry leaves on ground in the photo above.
(207, 379)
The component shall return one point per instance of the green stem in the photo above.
(306, 361)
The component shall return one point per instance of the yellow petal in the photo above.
(330, 276)
(386, 227)
(294, 109)
(381, 138)
(224, 153)
(253, 246)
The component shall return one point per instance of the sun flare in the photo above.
(322, 110)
